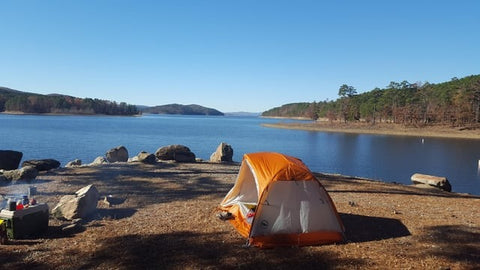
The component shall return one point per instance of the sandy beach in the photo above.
(383, 129)
(165, 218)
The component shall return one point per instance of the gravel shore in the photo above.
(165, 218)
(383, 129)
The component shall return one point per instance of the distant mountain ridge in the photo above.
(25, 102)
(192, 109)
(12, 100)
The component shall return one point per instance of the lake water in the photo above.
(387, 158)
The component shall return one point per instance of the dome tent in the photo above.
(277, 201)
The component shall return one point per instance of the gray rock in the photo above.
(224, 153)
(9, 159)
(185, 157)
(27, 173)
(117, 154)
(433, 181)
(74, 163)
(71, 228)
(177, 152)
(42, 164)
(110, 200)
(77, 220)
(80, 205)
(133, 159)
(147, 158)
(99, 161)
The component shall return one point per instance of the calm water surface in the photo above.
(387, 158)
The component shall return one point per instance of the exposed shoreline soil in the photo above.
(383, 129)
(165, 218)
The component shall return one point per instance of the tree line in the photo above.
(455, 103)
(34, 103)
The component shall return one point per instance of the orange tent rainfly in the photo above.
(277, 201)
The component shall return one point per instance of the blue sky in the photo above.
(247, 55)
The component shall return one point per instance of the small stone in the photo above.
(74, 163)
(72, 227)
(99, 160)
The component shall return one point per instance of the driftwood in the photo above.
(431, 180)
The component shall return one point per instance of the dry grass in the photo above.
(165, 219)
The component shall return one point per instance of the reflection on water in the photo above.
(396, 158)
(478, 169)
(388, 158)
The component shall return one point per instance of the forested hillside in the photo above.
(455, 103)
(301, 109)
(192, 109)
(17, 101)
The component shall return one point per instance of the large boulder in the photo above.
(27, 173)
(177, 152)
(42, 164)
(9, 159)
(224, 153)
(80, 205)
(433, 181)
(117, 154)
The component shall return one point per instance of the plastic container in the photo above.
(32, 191)
(25, 199)
(12, 205)
(19, 205)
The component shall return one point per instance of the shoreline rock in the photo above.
(42, 164)
(177, 152)
(10, 159)
(432, 181)
(224, 153)
(117, 154)
(74, 163)
(27, 173)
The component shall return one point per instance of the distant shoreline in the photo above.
(285, 117)
(65, 114)
(381, 129)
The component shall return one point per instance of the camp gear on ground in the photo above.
(12, 205)
(26, 222)
(19, 205)
(25, 200)
(3, 232)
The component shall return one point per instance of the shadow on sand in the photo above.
(364, 228)
(455, 242)
(180, 250)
